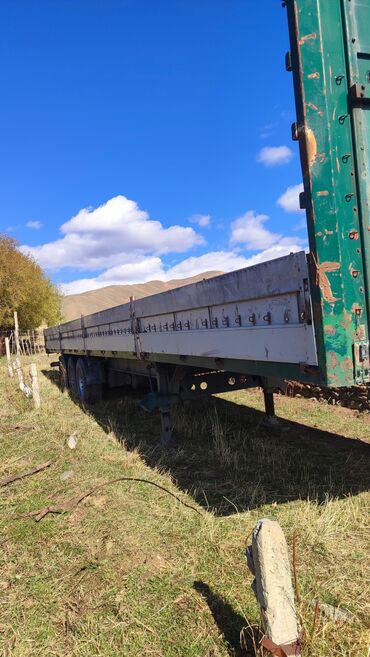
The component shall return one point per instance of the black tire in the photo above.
(71, 371)
(88, 393)
(63, 375)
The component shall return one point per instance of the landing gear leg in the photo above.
(270, 420)
(167, 439)
(164, 388)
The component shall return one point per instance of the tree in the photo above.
(24, 287)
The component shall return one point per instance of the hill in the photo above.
(85, 303)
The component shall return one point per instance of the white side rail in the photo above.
(260, 313)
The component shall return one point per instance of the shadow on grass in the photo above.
(228, 461)
(241, 640)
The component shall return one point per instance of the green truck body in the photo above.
(330, 61)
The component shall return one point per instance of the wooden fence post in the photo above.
(16, 333)
(268, 560)
(35, 385)
(7, 350)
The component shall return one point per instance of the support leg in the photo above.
(166, 431)
(271, 419)
(164, 388)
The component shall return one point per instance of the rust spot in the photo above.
(354, 272)
(329, 329)
(323, 193)
(361, 332)
(311, 146)
(346, 364)
(333, 360)
(315, 108)
(307, 37)
(313, 76)
(322, 279)
(347, 321)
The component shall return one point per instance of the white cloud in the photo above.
(114, 233)
(140, 270)
(289, 201)
(272, 156)
(250, 231)
(35, 225)
(123, 245)
(153, 268)
(203, 220)
(212, 261)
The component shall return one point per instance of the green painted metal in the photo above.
(330, 54)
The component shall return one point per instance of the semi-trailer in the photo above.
(303, 316)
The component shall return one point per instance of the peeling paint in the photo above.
(323, 281)
(311, 146)
(347, 364)
(307, 37)
(313, 76)
(329, 329)
(315, 108)
(361, 332)
(324, 193)
(333, 360)
(347, 321)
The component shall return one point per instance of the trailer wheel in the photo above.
(71, 371)
(89, 393)
(63, 376)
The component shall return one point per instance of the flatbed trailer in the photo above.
(302, 316)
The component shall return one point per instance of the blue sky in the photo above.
(147, 139)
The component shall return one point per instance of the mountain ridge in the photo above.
(85, 303)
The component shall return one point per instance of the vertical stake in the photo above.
(35, 385)
(7, 350)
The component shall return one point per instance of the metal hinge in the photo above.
(361, 361)
(360, 93)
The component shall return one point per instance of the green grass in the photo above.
(131, 571)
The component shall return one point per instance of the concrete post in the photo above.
(35, 385)
(268, 560)
(19, 371)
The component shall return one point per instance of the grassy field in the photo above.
(131, 571)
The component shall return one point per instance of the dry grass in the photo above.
(131, 571)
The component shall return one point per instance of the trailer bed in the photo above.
(260, 313)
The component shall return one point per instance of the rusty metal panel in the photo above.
(329, 55)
